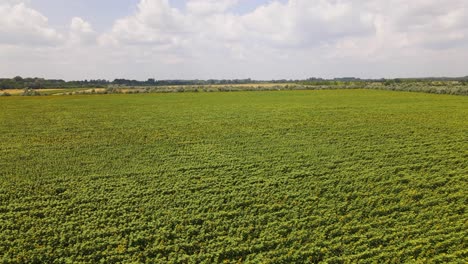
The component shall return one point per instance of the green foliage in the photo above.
(30, 92)
(429, 85)
(336, 176)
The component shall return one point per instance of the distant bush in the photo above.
(30, 92)
(436, 87)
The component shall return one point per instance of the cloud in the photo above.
(20, 25)
(208, 7)
(81, 32)
(207, 28)
(296, 24)
(277, 39)
(155, 23)
(302, 23)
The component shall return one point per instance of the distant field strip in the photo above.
(441, 87)
(333, 176)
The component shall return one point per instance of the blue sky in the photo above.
(259, 39)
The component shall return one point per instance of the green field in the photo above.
(336, 176)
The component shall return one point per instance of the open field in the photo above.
(240, 85)
(259, 177)
(20, 91)
(52, 91)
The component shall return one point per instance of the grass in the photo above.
(20, 91)
(273, 177)
(51, 91)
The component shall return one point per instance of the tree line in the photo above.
(40, 83)
(19, 82)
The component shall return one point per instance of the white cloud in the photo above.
(155, 23)
(20, 25)
(302, 23)
(208, 29)
(209, 7)
(279, 39)
(81, 32)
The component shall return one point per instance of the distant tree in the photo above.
(388, 82)
(8, 84)
(36, 84)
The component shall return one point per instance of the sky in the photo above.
(233, 39)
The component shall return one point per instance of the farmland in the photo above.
(453, 86)
(259, 177)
